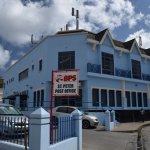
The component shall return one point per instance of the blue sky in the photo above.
(126, 19)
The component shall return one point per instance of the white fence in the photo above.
(39, 134)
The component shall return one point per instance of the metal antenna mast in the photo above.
(77, 17)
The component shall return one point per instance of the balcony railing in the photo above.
(122, 73)
(93, 68)
(146, 77)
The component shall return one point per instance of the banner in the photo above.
(65, 83)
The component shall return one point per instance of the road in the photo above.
(146, 137)
(98, 139)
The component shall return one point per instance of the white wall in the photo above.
(10, 146)
(69, 144)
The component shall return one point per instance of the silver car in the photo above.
(87, 120)
(12, 121)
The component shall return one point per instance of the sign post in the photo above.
(63, 83)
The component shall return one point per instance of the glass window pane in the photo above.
(134, 99)
(139, 99)
(128, 99)
(145, 99)
(103, 97)
(95, 97)
(111, 98)
(118, 98)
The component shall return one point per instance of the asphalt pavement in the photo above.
(123, 137)
(98, 139)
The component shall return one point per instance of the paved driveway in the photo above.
(146, 137)
(98, 139)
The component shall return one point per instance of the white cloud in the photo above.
(144, 35)
(147, 20)
(4, 57)
(19, 21)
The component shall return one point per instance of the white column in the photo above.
(39, 130)
(124, 99)
(77, 115)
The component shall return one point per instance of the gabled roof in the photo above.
(126, 45)
(145, 51)
(100, 35)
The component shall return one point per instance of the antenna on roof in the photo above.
(140, 41)
(32, 39)
(77, 17)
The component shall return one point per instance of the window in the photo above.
(40, 65)
(128, 99)
(107, 63)
(136, 69)
(32, 67)
(111, 98)
(95, 97)
(42, 97)
(38, 98)
(133, 99)
(139, 95)
(103, 97)
(62, 109)
(70, 100)
(34, 99)
(145, 99)
(24, 74)
(118, 98)
(66, 60)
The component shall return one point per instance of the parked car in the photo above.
(87, 120)
(12, 121)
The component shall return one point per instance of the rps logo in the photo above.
(60, 78)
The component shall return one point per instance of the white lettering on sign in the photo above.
(65, 83)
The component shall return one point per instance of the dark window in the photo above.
(103, 97)
(70, 100)
(34, 99)
(139, 99)
(118, 98)
(111, 98)
(95, 97)
(38, 98)
(23, 74)
(40, 65)
(32, 67)
(107, 63)
(136, 69)
(128, 99)
(42, 97)
(145, 99)
(133, 99)
(66, 60)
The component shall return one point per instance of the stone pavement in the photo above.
(130, 127)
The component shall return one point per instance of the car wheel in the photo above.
(85, 124)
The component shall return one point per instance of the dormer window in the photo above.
(136, 69)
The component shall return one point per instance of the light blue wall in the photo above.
(48, 50)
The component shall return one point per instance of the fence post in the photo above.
(39, 130)
(107, 120)
(77, 116)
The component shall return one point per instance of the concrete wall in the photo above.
(10, 146)
(69, 144)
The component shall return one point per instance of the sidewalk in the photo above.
(130, 127)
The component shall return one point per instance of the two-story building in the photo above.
(113, 74)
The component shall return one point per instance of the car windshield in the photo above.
(83, 112)
(9, 110)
